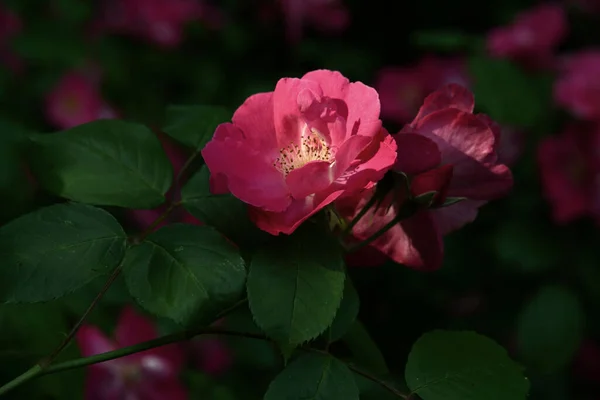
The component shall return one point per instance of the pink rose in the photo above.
(448, 150)
(290, 152)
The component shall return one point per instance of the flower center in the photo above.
(313, 147)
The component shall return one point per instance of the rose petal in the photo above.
(226, 155)
(449, 96)
(416, 153)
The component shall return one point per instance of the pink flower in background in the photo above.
(570, 172)
(76, 99)
(403, 89)
(577, 87)
(325, 15)
(290, 152)
(149, 375)
(10, 26)
(532, 38)
(446, 149)
(158, 21)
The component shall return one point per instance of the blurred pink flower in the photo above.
(324, 15)
(532, 37)
(403, 89)
(149, 375)
(76, 99)
(10, 26)
(577, 87)
(158, 21)
(570, 172)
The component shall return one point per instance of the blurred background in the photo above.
(526, 272)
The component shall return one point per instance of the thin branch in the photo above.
(380, 382)
(44, 363)
(165, 340)
(153, 225)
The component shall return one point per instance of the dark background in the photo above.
(513, 274)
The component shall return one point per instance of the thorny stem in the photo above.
(37, 371)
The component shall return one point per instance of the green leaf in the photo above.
(447, 365)
(295, 285)
(194, 126)
(451, 201)
(550, 329)
(15, 189)
(507, 93)
(224, 212)
(105, 162)
(185, 272)
(346, 314)
(364, 349)
(425, 199)
(314, 377)
(441, 40)
(55, 250)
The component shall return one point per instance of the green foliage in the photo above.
(57, 249)
(447, 365)
(185, 272)
(295, 285)
(224, 212)
(194, 126)
(509, 94)
(550, 329)
(105, 162)
(444, 40)
(346, 314)
(15, 190)
(314, 376)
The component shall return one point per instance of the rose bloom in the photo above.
(76, 99)
(291, 152)
(532, 38)
(577, 87)
(448, 150)
(403, 89)
(148, 375)
(570, 172)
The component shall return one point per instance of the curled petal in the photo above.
(449, 96)
(451, 218)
